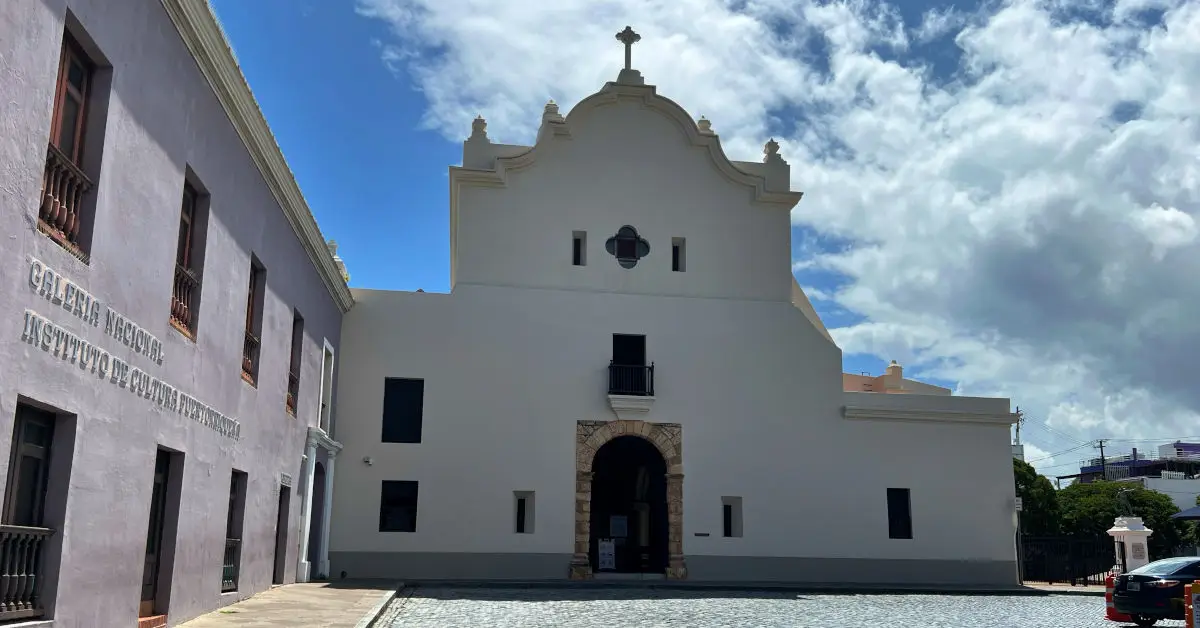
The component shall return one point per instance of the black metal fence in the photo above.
(1076, 561)
(634, 380)
(230, 565)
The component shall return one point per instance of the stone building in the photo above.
(626, 381)
(169, 322)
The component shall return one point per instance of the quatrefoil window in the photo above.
(627, 246)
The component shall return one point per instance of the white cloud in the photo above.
(1024, 228)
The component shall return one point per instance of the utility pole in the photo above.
(1020, 420)
(1103, 462)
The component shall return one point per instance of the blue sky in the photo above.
(1001, 195)
(373, 174)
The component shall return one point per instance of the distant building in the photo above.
(892, 382)
(1173, 470)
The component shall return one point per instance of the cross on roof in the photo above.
(629, 38)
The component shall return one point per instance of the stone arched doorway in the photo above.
(666, 438)
(316, 519)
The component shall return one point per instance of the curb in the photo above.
(715, 587)
(368, 620)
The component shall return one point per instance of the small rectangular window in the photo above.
(678, 251)
(579, 248)
(403, 406)
(524, 507)
(398, 506)
(899, 513)
(731, 517)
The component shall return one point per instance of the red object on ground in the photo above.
(1110, 611)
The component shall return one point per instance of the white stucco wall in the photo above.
(518, 353)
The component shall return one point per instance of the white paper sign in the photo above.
(607, 555)
(1019, 504)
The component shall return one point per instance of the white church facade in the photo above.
(626, 378)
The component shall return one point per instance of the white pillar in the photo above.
(303, 569)
(1131, 533)
(323, 558)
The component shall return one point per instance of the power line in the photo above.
(1059, 453)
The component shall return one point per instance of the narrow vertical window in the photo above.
(731, 517)
(678, 249)
(579, 248)
(524, 511)
(293, 388)
(185, 291)
(254, 305)
(899, 513)
(326, 388)
(64, 182)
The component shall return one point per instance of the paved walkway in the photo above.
(310, 604)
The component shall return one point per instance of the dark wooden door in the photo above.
(281, 533)
(154, 533)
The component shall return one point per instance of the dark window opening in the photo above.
(29, 467)
(579, 248)
(520, 515)
(727, 519)
(185, 291)
(403, 406)
(677, 254)
(398, 506)
(899, 514)
(628, 373)
(254, 305)
(293, 385)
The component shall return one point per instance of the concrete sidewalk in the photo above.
(315, 604)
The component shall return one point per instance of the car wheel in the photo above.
(1142, 621)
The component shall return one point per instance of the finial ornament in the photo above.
(705, 125)
(771, 151)
(479, 128)
(629, 38)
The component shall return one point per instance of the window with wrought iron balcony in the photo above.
(630, 378)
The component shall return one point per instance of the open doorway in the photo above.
(629, 527)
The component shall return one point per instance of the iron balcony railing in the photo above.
(229, 566)
(250, 356)
(21, 571)
(631, 379)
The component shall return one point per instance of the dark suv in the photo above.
(1155, 591)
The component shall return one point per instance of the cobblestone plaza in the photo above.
(603, 608)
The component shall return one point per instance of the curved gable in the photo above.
(769, 181)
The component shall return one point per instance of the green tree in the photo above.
(1089, 510)
(1039, 503)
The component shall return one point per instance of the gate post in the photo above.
(1131, 536)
